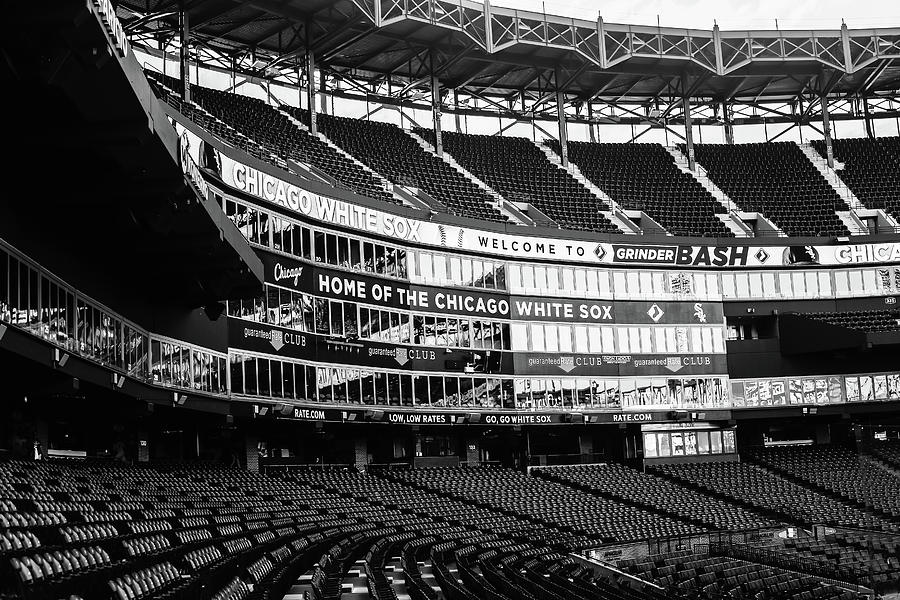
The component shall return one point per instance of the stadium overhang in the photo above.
(475, 48)
(100, 179)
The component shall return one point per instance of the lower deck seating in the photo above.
(862, 320)
(768, 493)
(708, 576)
(113, 532)
(658, 494)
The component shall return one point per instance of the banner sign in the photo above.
(357, 287)
(405, 229)
(473, 416)
(395, 294)
(618, 365)
(361, 354)
(525, 308)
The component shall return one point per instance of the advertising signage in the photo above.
(619, 365)
(261, 338)
(355, 287)
(366, 289)
(526, 308)
(471, 417)
(403, 229)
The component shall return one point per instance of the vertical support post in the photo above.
(473, 446)
(826, 129)
(590, 116)
(456, 111)
(436, 111)
(361, 453)
(561, 117)
(688, 133)
(251, 453)
(870, 132)
(184, 35)
(143, 449)
(311, 85)
(729, 126)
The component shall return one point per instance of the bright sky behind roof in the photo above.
(730, 14)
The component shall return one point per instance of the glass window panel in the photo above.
(650, 450)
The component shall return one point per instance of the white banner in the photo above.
(404, 229)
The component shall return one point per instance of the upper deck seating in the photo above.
(521, 172)
(387, 150)
(274, 131)
(645, 177)
(871, 169)
(777, 180)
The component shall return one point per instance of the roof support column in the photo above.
(590, 116)
(729, 126)
(436, 110)
(184, 36)
(826, 129)
(688, 133)
(563, 134)
(311, 86)
(456, 111)
(870, 132)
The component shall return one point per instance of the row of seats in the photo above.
(838, 470)
(394, 154)
(645, 177)
(657, 494)
(871, 169)
(771, 494)
(472, 533)
(275, 132)
(521, 172)
(777, 180)
(546, 502)
(863, 320)
(709, 576)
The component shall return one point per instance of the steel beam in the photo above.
(826, 130)
(184, 55)
(688, 133)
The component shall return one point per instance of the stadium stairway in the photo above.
(778, 180)
(871, 169)
(520, 171)
(615, 214)
(647, 186)
(849, 216)
(504, 206)
(731, 220)
(388, 186)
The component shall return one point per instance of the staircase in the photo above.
(174, 100)
(730, 219)
(614, 214)
(387, 185)
(506, 208)
(831, 176)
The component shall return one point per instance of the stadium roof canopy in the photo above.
(492, 51)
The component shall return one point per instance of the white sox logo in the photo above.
(699, 313)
